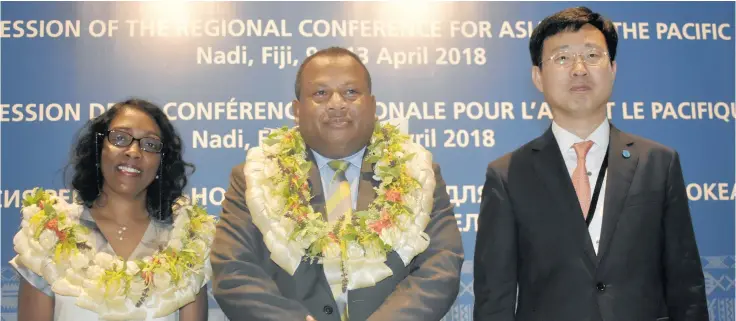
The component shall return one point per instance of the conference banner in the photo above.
(458, 74)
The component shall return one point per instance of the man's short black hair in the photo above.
(571, 19)
(332, 52)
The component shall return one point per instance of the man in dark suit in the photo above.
(590, 223)
(256, 275)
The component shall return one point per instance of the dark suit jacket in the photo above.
(532, 233)
(248, 285)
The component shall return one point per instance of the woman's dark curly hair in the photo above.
(163, 192)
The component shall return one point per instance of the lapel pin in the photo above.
(626, 153)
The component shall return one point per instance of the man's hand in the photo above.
(309, 318)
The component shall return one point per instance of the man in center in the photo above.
(338, 218)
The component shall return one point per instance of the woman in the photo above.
(133, 249)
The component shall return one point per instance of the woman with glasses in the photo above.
(133, 248)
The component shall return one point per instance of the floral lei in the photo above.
(53, 244)
(352, 251)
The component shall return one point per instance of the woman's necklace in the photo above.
(121, 230)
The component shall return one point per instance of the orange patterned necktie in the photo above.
(580, 177)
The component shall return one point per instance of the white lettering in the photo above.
(711, 192)
(370, 28)
(694, 110)
(484, 110)
(40, 29)
(39, 112)
(213, 196)
(205, 139)
(230, 110)
(409, 110)
(14, 198)
(694, 31)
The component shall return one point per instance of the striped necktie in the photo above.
(340, 203)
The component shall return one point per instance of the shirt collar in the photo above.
(354, 159)
(565, 139)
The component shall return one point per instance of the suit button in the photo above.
(600, 286)
(327, 309)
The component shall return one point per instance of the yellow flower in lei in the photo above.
(53, 244)
(279, 195)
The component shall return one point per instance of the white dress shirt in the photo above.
(593, 163)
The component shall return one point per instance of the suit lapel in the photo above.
(551, 169)
(366, 195)
(318, 204)
(366, 185)
(620, 174)
(315, 185)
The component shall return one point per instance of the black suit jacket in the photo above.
(532, 234)
(249, 286)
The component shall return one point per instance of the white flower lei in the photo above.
(53, 244)
(293, 231)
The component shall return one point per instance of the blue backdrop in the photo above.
(460, 72)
